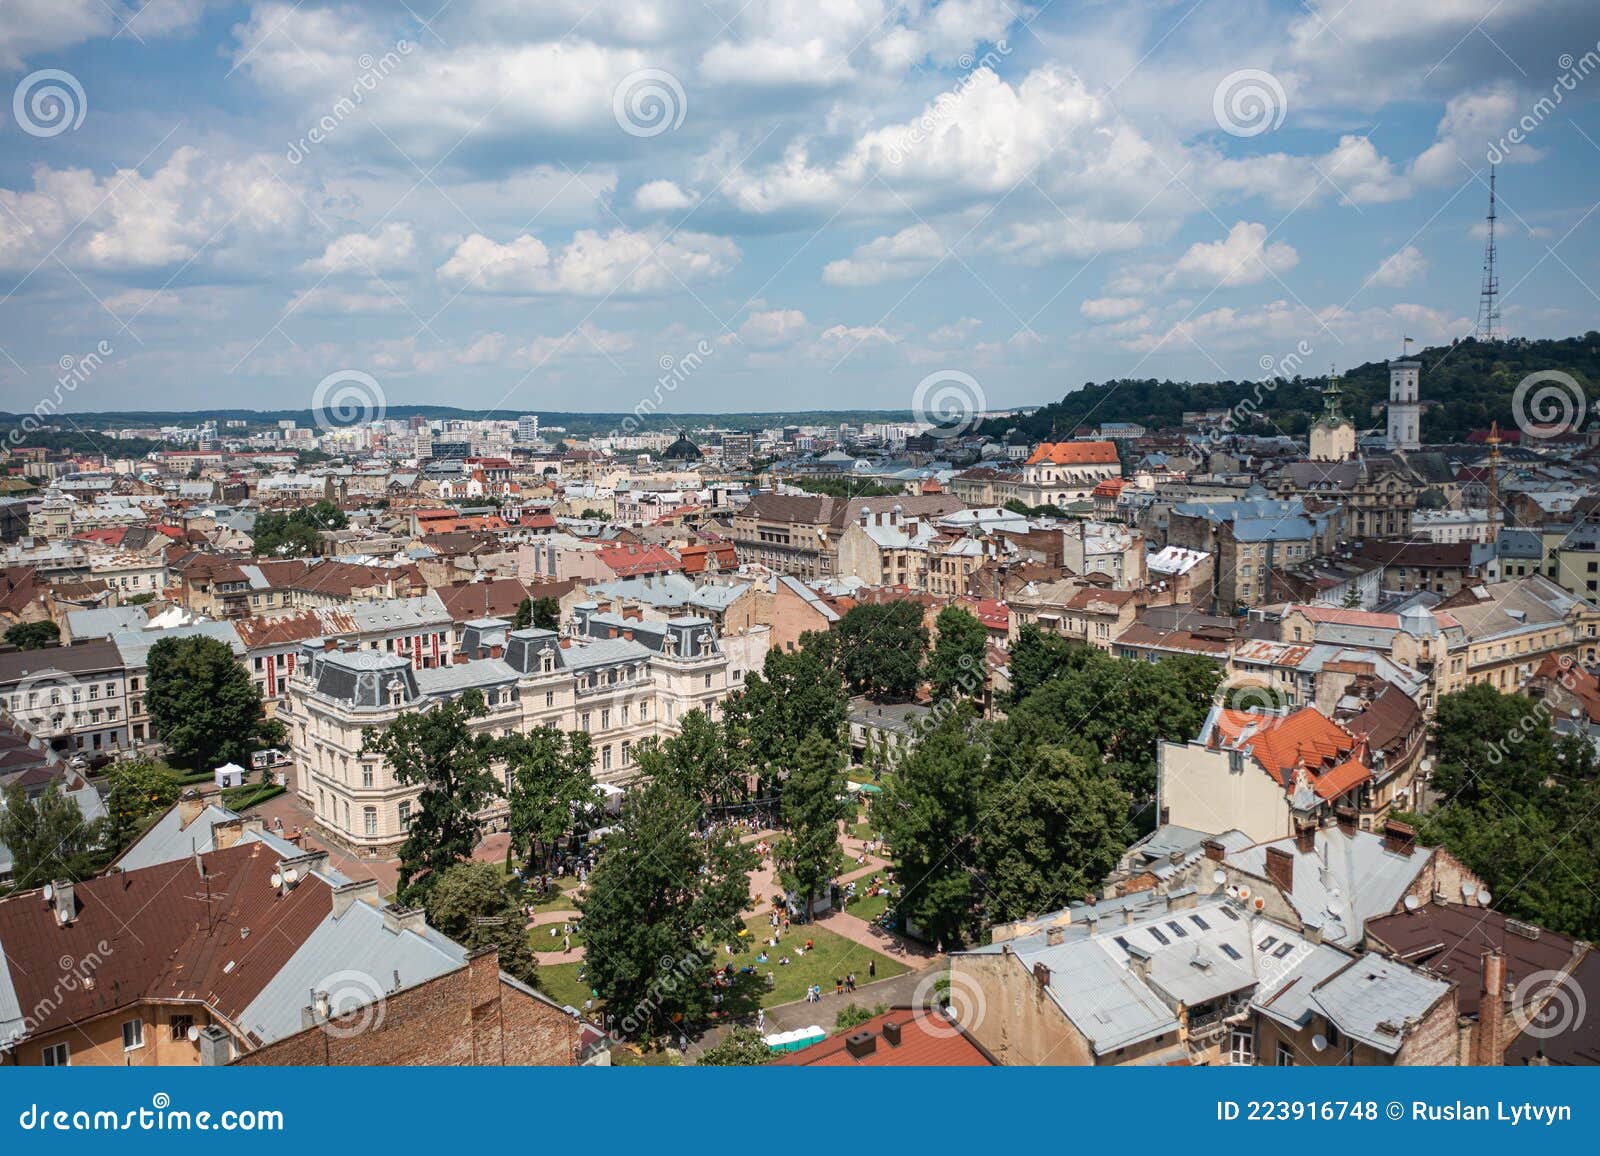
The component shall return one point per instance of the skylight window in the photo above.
(1159, 936)
(1200, 923)
(1230, 951)
(1283, 951)
(1231, 913)
(1177, 929)
(1266, 944)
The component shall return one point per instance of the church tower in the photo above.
(1405, 421)
(1333, 436)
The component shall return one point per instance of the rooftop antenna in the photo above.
(1489, 296)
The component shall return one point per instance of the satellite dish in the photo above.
(49, 893)
(1233, 893)
(1219, 876)
(1412, 903)
(1468, 891)
(277, 880)
(1244, 892)
(1260, 903)
(1319, 1042)
(193, 1033)
(290, 875)
(1484, 896)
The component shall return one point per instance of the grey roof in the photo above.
(1372, 998)
(460, 676)
(355, 959)
(102, 622)
(1345, 881)
(134, 645)
(169, 840)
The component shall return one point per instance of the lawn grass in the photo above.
(624, 1056)
(560, 982)
(869, 907)
(540, 939)
(832, 957)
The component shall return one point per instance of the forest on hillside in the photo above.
(1464, 387)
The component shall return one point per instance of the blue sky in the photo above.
(538, 205)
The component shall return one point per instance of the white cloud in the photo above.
(1401, 268)
(1473, 123)
(222, 214)
(772, 328)
(909, 253)
(30, 28)
(661, 197)
(1110, 308)
(390, 250)
(331, 299)
(1244, 257)
(592, 264)
(956, 331)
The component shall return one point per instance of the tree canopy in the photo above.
(469, 903)
(202, 703)
(956, 666)
(48, 837)
(549, 789)
(34, 635)
(438, 750)
(294, 535)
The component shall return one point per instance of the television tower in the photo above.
(1489, 296)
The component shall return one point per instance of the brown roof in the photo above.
(497, 598)
(1443, 555)
(160, 933)
(927, 1040)
(1386, 719)
(1449, 940)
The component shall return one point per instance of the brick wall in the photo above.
(467, 1017)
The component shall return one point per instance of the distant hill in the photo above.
(573, 422)
(1470, 383)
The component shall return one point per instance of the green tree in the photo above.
(1036, 658)
(549, 789)
(740, 1048)
(523, 618)
(140, 789)
(956, 667)
(878, 648)
(657, 907)
(930, 813)
(294, 535)
(1056, 825)
(48, 837)
(202, 703)
(697, 761)
(437, 750)
(809, 855)
(547, 613)
(796, 693)
(34, 635)
(470, 904)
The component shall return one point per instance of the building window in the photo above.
(583, 721)
(369, 819)
(56, 1056)
(132, 1035)
(1285, 1055)
(549, 698)
(1241, 1048)
(605, 757)
(366, 774)
(180, 1027)
(404, 815)
(605, 719)
(626, 752)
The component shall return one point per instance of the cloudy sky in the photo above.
(537, 205)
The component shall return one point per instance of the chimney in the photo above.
(1052, 937)
(1041, 975)
(190, 807)
(366, 891)
(1305, 838)
(496, 652)
(861, 1044)
(64, 898)
(1488, 1049)
(460, 657)
(1280, 869)
(1346, 819)
(891, 1034)
(398, 919)
(1214, 850)
(215, 1047)
(1399, 838)
(330, 644)
(226, 834)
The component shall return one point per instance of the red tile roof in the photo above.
(629, 561)
(1074, 453)
(1281, 743)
